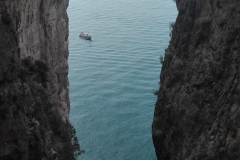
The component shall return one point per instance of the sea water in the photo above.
(112, 77)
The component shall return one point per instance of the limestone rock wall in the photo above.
(197, 111)
(42, 31)
(34, 100)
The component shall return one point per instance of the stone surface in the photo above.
(42, 31)
(197, 111)
(34, 100)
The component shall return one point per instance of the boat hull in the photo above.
(86, 37)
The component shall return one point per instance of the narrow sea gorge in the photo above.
(112, 77)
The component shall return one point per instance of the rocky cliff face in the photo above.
(198, 109)
(34, 102)
(42, 30)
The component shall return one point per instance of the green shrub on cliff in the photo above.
(41, 66)
(171, 27)
(63, 141)
(6, 18)
(34, 67)
(66, 132)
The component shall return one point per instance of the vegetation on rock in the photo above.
(30, 124)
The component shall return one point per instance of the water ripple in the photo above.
(113, 76)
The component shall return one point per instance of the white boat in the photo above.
(85, 36)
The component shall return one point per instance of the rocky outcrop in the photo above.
(34, 100)
(197, 111)
(42, 31)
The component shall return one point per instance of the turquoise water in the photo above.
(113, 76)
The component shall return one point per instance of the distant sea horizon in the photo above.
(112, 78)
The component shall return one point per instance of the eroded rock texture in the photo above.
(34, 100)
(42, 31)
(197, 113)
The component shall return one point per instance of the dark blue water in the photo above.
(113, 76)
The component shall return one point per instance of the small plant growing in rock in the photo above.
(6, 18)
(41, 66)
(161, 59)
(171, 27)
(155, 92)
(27, 62)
